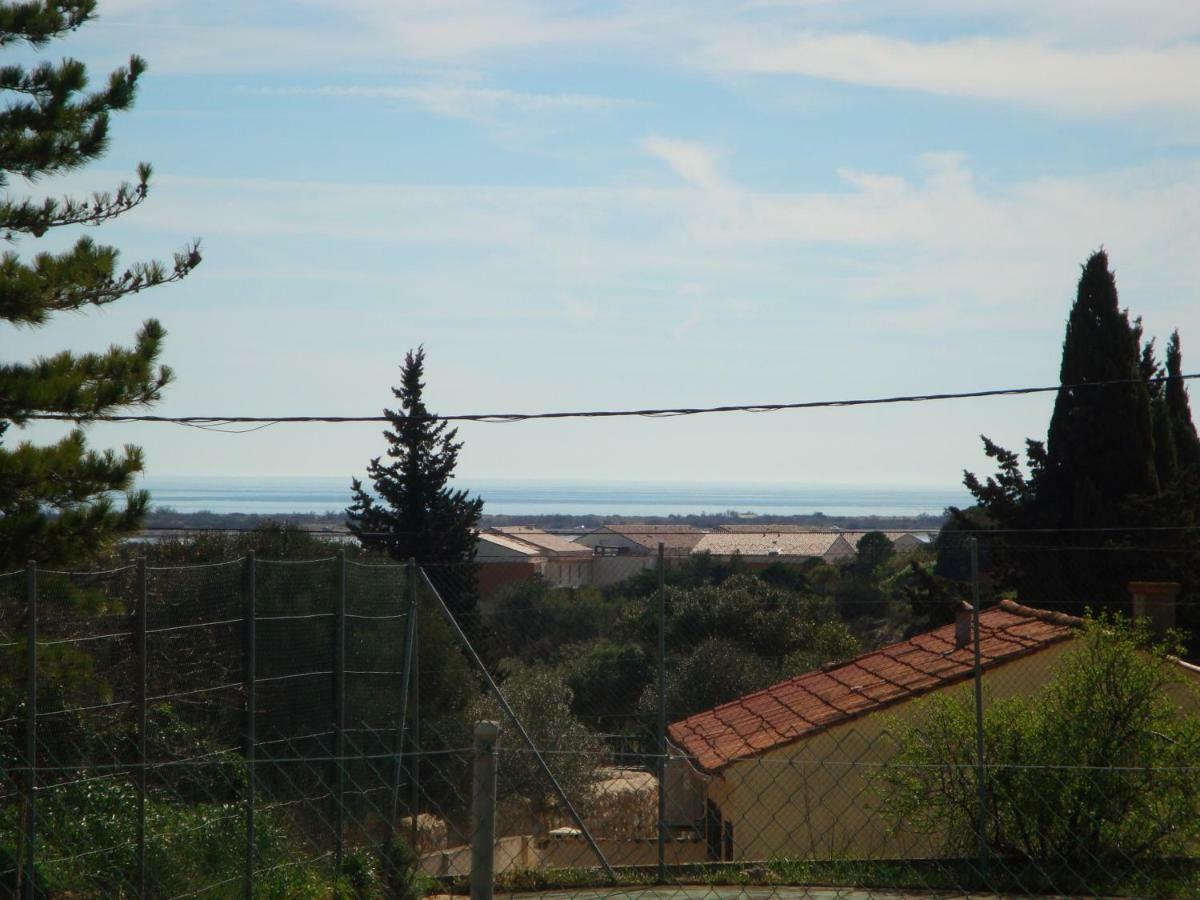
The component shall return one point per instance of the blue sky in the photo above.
(580, 205)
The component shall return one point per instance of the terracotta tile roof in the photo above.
(555, 543)
(768, 544)
(812, 702)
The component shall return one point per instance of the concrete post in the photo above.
(483, 811)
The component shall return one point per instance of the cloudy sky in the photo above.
(587, 205)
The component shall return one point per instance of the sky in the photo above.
(597, 205)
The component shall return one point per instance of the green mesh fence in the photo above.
(258, 727)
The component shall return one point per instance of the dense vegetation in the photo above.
(577, 666)
(1112, 495)
(729, 631)
(1094, 775)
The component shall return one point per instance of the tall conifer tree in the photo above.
(1100, 446)
(414, 512)
(55, 501)
(1114, 461)
(1179, 412)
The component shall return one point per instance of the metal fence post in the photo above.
(661, 730)
(410, 637)
(483, 811)
(249, 675)
(339, 712)
(31, 612)
(139, 652)
(414, 797)
(980, 771)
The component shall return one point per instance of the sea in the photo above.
(532, 497)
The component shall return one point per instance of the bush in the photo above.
(1095, 773)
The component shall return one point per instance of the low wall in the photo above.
(527, 852)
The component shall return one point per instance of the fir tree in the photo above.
(414, 513)
(55, 501)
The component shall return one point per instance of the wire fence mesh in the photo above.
(308, 728)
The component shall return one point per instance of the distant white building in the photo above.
(522, 553)
(765, 547)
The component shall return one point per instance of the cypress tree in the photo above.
(414, 512)
(55, 501)
(1115, 459)
(1179, 412)
(1100, 445)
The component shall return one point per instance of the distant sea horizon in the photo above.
(279, 495)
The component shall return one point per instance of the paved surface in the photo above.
(733, 892)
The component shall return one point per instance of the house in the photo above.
(789, 770)
(624, 550)
(640, 540)
(567, 562)
(762, 548)
(520, 554)
(910, 541)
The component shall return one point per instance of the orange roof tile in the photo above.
(812, 702)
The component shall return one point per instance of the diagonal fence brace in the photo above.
(525, 738)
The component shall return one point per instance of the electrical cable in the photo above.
(214, 422)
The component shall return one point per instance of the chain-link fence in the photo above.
(294, 729)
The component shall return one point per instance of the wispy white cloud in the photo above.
(459, 100)
(1026, 71)
(938, 244)
(1073, 56)
(696, 163)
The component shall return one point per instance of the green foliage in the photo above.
(188, 845)
(541, 699)
(1115, 458)
(606, 680)
(715, 671)
(413, 512)
(532, 622)
(1096, 769)
(55, 501)
(401, 876)
(740, 636)
(874, 551)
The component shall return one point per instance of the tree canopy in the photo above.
(414, 513)
(1096, 768)
(56, 501)
(1120, 455)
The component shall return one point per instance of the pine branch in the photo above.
(83, 276)
(51, 132)
(38, 21)
(28, 217)
(87, 385)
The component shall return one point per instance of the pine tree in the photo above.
(414, 513)
(55, 501)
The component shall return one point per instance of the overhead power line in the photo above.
(215, 422)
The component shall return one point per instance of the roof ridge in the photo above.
(1032, 612)
(516, 539)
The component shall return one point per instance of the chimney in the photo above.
(1155, 600)
(963, 619)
